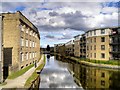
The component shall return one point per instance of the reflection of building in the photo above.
(1, 49)
(70, 48)
(21, 42)
(97, 78)
(94, 78)
(115, 44)
(97, 44)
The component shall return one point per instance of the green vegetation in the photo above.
(20, 72)
(34, 74)
(4, 83)
(109, 62)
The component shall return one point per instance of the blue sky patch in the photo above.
(20, 8)
(111, 4)
(45, 9)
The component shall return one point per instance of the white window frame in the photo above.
(26, 42)
(22, 42)
(22, 57)
(27, 56)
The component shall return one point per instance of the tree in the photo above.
(48, 48)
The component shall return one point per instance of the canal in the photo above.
(62, 73)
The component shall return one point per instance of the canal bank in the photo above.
(93, 62)
(20, 82)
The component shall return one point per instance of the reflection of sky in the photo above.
(56, 75)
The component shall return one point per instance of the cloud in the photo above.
(53, 13)
(65, 19)
(50, 36)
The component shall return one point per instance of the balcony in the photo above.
(115, 31)
(114, 41)
(115, 51)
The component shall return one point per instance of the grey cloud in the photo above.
(63, 38)
(50, 36)
(53, 13)
(75, 20)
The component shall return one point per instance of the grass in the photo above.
(34, 75)
(109, 62)
(20, 72)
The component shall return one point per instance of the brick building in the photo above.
(70, 48)
(21, 42)
(97, 44)
(60, 49)
(77, 45)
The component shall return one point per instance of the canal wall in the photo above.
(35, 83)
(90, 63)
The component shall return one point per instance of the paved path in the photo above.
(20, 81)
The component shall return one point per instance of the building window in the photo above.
(87, 34)
(91, 33)
(26, 56)
(22, 28)
(102, 47)
(27, 30)
(102, 31)
(22, 42)
(102, 39)
(22, 54)
(33, 34)
(36, 35)
(91, 40)
(95, 32)
(30, 55)
(94, 47)
(30, 43)
(94, 39)
(33, 54)
(26, 43)
(102, 82)
(102, 55)
(33, 44)
(91, 55)
(91, 47)
(102, 74)
(30, 32)
(94, 55)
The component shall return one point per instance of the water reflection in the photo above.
(65, 73)
(48, 58)
(56, 75)
(91, 77)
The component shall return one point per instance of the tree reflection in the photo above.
(48, 58)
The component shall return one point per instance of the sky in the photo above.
(59, 21)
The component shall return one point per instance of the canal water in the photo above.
(62, 73)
